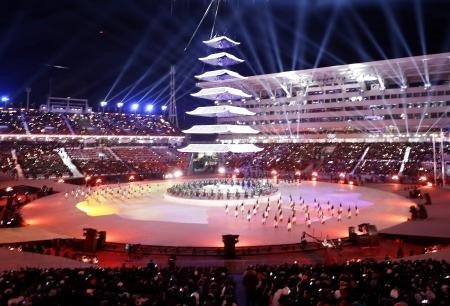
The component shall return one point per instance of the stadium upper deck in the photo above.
(405, 97)
(23, 124)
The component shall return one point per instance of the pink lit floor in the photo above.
(152, 217)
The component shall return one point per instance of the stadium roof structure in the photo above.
(220, 148)
(220, 111)
(221, 129)
(399, 70)
(221, 42)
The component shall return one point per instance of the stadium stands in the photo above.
(46, 123)
(6, 160)
(15, 121)
(10, 122)
(40, 160)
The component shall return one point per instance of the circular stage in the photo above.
(142, 212)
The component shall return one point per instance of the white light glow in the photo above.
(134, 106)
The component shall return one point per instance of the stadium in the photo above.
(323, 185)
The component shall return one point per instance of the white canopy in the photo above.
(220, 111)
(219, 75)
(221, 148)
(221, 129)
(221, 42)
(221, 59)
(221, 93)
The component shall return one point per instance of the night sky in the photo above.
(118, 50)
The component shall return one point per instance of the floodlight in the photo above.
(134, 106)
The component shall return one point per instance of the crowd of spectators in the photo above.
(383, 158)
(7, 164)
(144, 160)
(46, 123)
(343, 158)
(277, 156)
(96, 161)
(120, 124)
(364, 282)
(11, 122)
(191, 286)
(137, 124)
(420, 161)
(87, 124)
(40, 160)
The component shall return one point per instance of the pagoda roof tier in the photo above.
(222, 59)
(221, 111)
(219, 75)
(220, 148)
(221, 42)
(221, 129)
(221, 94)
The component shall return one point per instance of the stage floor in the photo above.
(145, 214)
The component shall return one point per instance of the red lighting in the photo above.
(60, 180)
(429, 184)
(423, 178)
(342, 175)
(314, 173)
(98, 181)
(274, 172)
(87, 178)
(314, 179)
(350, 183)
(298, 173)
(395, 177)
(131, 178)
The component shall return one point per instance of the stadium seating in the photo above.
(41, 160)
(10, 122)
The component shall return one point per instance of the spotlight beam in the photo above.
(128, 62)
(298, 29)
(326, 37)
(420, 25)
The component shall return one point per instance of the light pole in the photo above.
(28, 89)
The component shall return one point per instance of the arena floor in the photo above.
(144, 213)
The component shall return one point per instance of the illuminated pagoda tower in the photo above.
(223, 97)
